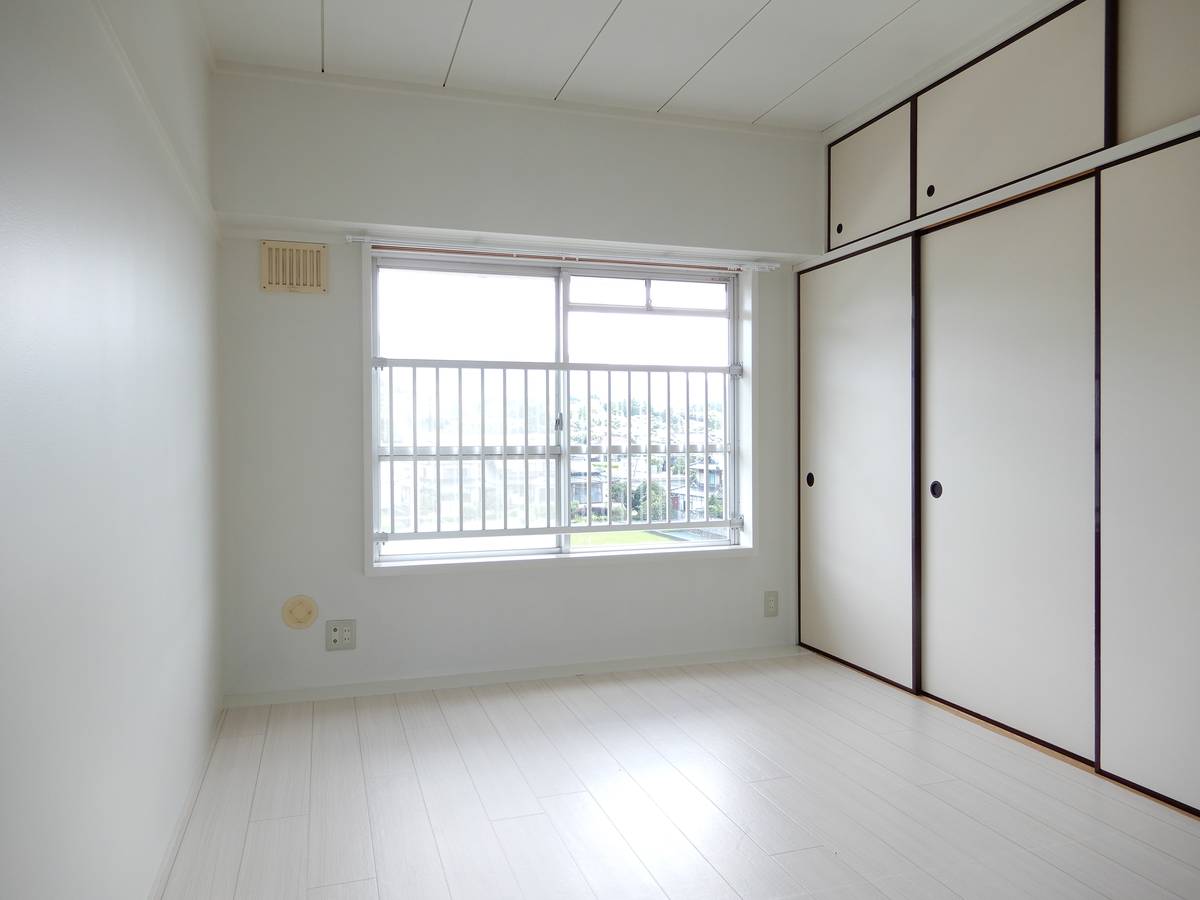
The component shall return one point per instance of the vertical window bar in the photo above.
(462, 525)
(667, 504)
(392, 449)
(687, 446)
(706, 447)
(415, 432)
(588, 449)
(483, 455)
(549, 425)
(504, 445)
(649, 455)
(629, 449)
(727, 460)
(608, 466)
(562, 386)
(525, 450)
(437, 448)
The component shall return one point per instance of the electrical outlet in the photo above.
(771, 603)
(340, 634)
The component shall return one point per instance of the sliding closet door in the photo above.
(855, 460)
(1008, 403)
(1149, 478)
(1030, 105)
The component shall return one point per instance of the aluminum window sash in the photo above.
(464, 267)
(432, 262)
(649, 311)
(730, 502)
(562, 407)
(372, 338)
(638, 273)
(560, 451)
(467, 555)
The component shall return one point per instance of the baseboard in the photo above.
(472, 679)
(159, 885)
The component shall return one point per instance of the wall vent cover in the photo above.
(294, 267)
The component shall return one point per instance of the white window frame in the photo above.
(374, 260)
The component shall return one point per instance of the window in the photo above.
(536, 410)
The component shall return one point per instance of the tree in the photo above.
(617, 492)
(658, 502)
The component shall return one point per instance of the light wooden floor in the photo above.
(773, 778)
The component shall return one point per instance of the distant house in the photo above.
(598, 501)
(695, 482)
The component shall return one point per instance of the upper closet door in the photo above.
(1008, 432)
(855, 443)
(1149, 487)
(1027, 107)
(869, 178)
(1158, 65)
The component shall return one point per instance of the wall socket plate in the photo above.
(771, 603)
(341, 634)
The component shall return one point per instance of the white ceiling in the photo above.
(792, 63)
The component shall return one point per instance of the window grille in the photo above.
(506, 450)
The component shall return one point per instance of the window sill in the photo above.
(578, 558)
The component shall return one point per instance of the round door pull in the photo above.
(808, 479)
(936, 489)
(839, 228)
(929, 191)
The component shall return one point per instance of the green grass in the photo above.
(610, 538)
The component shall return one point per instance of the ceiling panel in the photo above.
(794, 63)
(651, 47)
(266, 32)
(403, 41)
(919, 39)
(788, 43)
(525, 47)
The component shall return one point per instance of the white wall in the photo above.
(296, 150)
(107, 594)
(292, 481)
(340, 152)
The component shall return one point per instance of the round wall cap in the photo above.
(299, 611)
